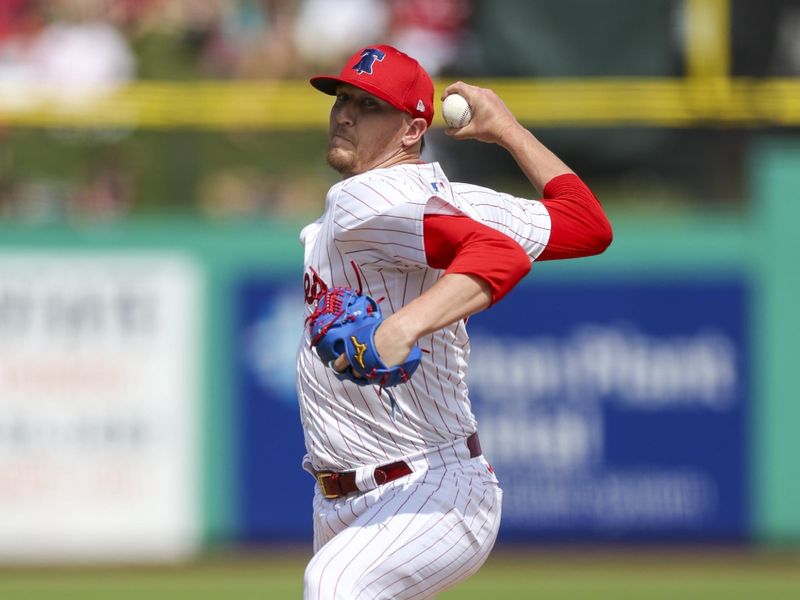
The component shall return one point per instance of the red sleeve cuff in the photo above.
(459, 244)
(562, 182)
(578, 225)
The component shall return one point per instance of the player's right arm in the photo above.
(579, 226)
(492, 122)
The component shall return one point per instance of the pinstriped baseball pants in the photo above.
(409, 539)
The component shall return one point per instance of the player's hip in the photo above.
(454, 483)
(455, 460)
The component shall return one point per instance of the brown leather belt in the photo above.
(334, 484)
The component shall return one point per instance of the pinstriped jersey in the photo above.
(370, 235)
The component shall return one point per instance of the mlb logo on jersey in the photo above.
(437, 185)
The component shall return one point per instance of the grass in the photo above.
(539, 573)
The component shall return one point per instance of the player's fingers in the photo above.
(459, 87)
(450, 89)
(457, 132)
(339, 365)
(462, 133)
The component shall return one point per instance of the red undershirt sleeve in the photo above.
(460, 244)
(578, 225)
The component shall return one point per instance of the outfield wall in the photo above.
(146, 384)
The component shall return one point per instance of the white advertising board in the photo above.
(100, 404)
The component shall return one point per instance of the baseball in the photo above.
(456, 111)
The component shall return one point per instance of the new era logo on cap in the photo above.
(389, 74)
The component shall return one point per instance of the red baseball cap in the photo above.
(389, 74)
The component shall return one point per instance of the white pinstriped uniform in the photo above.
(424, 532)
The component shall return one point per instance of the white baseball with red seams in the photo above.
(456, 111)
(371, 236)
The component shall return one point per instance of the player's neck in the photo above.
(401, 158)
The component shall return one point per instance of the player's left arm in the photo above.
(454, 297)
(481, 265)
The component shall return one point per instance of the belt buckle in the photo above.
(322, 477)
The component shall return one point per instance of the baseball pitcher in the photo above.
(405, 503)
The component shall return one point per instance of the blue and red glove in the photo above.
(344, 322)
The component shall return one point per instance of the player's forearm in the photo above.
(454, 297)
(535, 160)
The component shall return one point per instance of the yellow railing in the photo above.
(706, 96)
(294, 104)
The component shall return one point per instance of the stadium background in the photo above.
(157, 159)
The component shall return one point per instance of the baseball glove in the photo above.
(344, 322)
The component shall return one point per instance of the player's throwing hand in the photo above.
(491, 122)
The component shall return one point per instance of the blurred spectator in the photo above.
(82, 54)
(235, 194)
(106, 194)
(433, 31)
(20, 26)
(67, 47)
(168, 36)
(16, 17)
(245, 193)
(217, 39)
(38, 201)
(326, 32)
(253, 39)
(6, 198)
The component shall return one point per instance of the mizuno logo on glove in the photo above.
(360, 350)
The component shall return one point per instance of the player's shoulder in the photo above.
(477, 194)
(468, 189)
(401, 176)
(392, 185)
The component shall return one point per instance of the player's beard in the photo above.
(342, 161)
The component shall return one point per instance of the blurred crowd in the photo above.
(98, 42)
(105, 42)
(86, 46)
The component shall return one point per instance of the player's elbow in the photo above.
(520, 262)
(597, 234)
(494, 258)
(603, 235)
(516, 265)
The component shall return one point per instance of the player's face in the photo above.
(365, 131)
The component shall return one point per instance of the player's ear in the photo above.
(415, 129)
